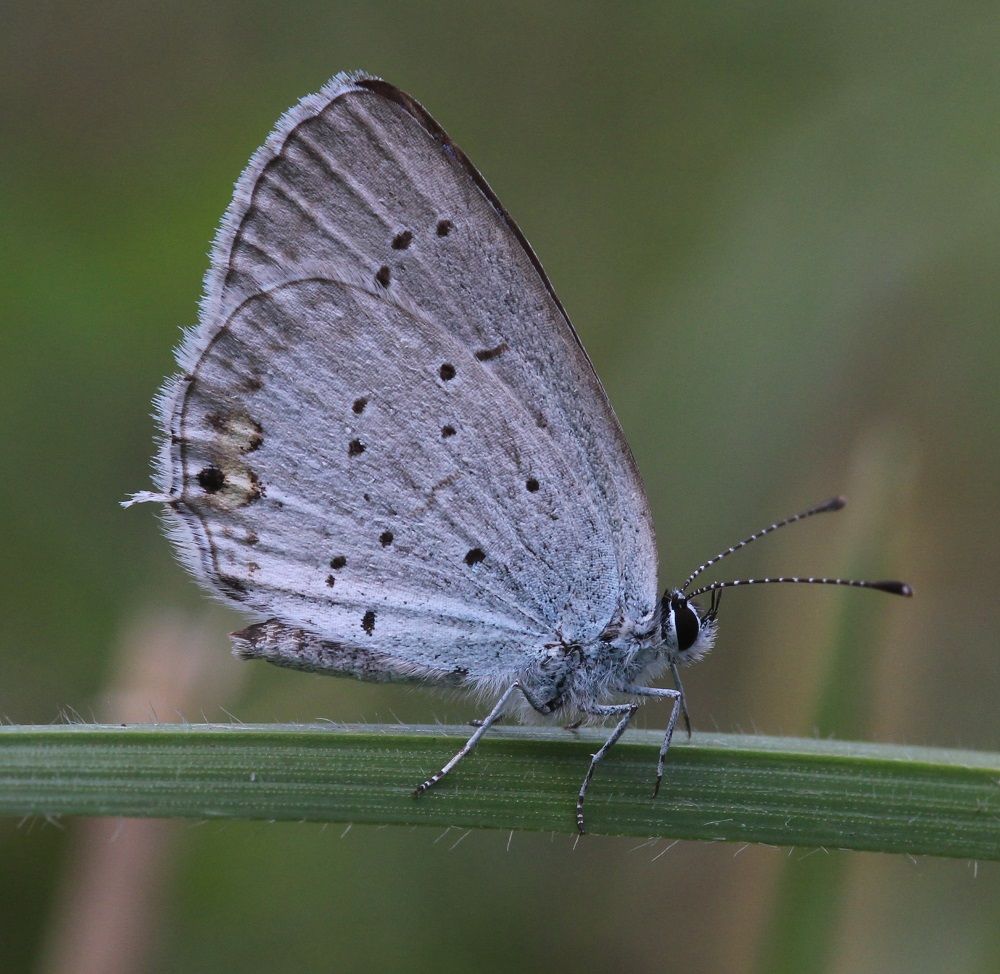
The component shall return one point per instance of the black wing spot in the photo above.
(485, 354)
(444, 227)
(355, 448)
(382, 276)
(359, 405)
(368, 621)
(385, 539)
(211, 479)
(447, 431)
(330, 581)
(532, 484)
(402, 240)
(338, 561)
(475, 556)
(447, 371)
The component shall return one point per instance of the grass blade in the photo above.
(719, 787)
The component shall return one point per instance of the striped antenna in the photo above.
(833, 504)
(894, 588)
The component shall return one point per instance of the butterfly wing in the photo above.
(387, 431)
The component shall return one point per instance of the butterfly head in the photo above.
(687, 631)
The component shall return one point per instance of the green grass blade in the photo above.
(719, 787)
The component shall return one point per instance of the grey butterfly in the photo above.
(387, 437)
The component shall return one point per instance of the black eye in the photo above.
(687, 625)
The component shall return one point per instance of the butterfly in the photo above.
(387, 439)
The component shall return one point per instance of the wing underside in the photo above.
(386, 431)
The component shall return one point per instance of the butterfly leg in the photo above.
(678, 698)
(542, 708)
(479, 721)
(680, 690)
(627, 712)
(482, 726)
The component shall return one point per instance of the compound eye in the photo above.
(687, 625)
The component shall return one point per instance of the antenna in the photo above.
(833, 504)
(894, 588)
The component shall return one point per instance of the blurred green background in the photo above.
(776, 227)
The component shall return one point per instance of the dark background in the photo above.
(776, 228)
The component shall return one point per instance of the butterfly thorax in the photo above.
(568, 677)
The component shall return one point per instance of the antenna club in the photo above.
(837, 503)
(894, 588)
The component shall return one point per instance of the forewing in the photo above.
(383, 375)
